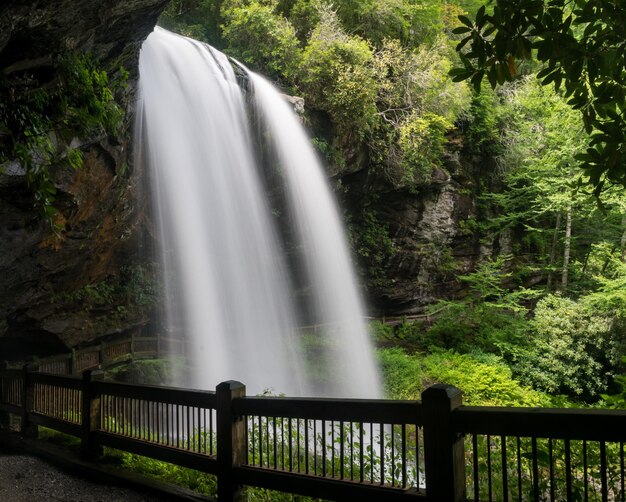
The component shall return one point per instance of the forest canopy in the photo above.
(579, 45)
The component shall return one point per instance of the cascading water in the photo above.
(229, 288)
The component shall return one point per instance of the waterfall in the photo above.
(233, 288)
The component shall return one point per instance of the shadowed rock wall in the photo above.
(57, 289)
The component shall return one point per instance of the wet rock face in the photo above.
(431, 229)
(32, 31)
(46, 276)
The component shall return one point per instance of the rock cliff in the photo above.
(58, 287)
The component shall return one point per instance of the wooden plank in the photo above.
(55, 423)
(324, 488)
(347, 410)
(556, 423)
(169, 395)
(204, 463)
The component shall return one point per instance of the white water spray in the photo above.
(229, 288)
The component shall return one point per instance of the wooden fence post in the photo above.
(90, 415)
(231, 446)
(72, 362)
(443, 446)
(28, 429)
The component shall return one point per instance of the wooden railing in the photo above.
(337, 449)
(106, 354)
(128, 348)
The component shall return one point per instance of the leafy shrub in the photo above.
(573, 349)
(422, 140)
(262, 39)
(338, 78)
(484, 379)
(491, 317)
(163, 471)
(402, 374)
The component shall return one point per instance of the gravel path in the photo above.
(28, 479)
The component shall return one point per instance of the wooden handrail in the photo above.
(505, 448)
(356, 410)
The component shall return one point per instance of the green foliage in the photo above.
(491, 317)
(372, 244)
(402, 374)
(481, 125)
(484, 379)
(410, 22)
(260, 38)
(338, 78)
(580, 44)
(422, 140)
(37, 122)
(304, 15)
(163, 471)
(573, 349)
(135, 286)
(199, 19)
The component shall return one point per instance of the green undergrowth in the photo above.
(484, 378)
(200, 482)
(197, 481)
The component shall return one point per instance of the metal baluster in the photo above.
(306, 446)
(621, 470)
(381, 433)
(393, 457)
(535, 468)
(341, 450)
(475, 467)
(603, 476)
(403, 432)
(489, 476)
(290, 434)
(505, 481)
(275, 444)
(324, 448)
(361, 461)
(586, 480)
(551, 460)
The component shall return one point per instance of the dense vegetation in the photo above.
(43, 122)
(387, 84)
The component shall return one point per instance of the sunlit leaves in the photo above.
(582, 48)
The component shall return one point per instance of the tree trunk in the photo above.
(567, 248)
(555, 241)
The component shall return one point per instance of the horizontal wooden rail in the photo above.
(56, 424)
(165, 395)
(183, 458)
(346, 410)
(66, 382)
(324, 488)
(580, 424)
